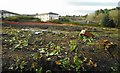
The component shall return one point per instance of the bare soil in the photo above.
(107, 61)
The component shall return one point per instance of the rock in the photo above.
(37, 32)
(109, 46)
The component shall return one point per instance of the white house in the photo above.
(4, 13)
(47, 16)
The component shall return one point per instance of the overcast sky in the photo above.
(62, 7)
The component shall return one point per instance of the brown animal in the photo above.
(86, 33)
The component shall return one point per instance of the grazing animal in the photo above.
(86, 33)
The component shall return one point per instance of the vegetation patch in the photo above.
(53, 51)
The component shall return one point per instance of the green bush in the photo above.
(21, 18)
(12, 18)
(56, 21)
(107, 22)
(64, 19)
(61, 20)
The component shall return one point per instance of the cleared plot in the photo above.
(59, 49)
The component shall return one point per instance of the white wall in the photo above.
(8, 15)
(44, 17)
(0, 15)
(52, 17)
(47, 17)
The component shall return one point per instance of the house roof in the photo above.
(4, 11)
(49, 13)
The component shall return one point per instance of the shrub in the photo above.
(21, 18)
(56, 21)
(64, 19)
(107, 22)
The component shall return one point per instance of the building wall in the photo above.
(7, 14)
(0, 15)
(47, 17)
(52, 17)
(44, 17)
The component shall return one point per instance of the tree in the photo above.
(111, 23)
(97, 12)
(107, 22)
(106, 11)
(101, 11)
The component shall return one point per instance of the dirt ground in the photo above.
(15, 47)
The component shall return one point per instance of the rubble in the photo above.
(109, 46)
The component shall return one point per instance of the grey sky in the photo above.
(62, 7)
(94, 3)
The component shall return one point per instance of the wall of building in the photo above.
(52, 17)
(44, 17)
(0, 15)
(47, 17)
(7, 14)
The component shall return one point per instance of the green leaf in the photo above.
(48, 71)
(72, 45)
(39, 70)
(53, 53)
(22, 64)
(16, 45)
(77, 61)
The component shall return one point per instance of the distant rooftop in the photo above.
(49, 13)
(4, 11)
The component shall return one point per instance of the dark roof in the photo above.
(4, 11)
(49, 13)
